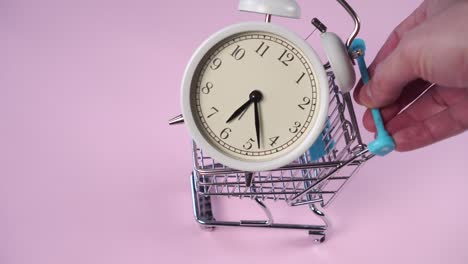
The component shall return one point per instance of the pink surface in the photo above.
(90, 172)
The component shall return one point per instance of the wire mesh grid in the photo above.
(340, 141)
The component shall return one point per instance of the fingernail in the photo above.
(366, 96)
(369, 91)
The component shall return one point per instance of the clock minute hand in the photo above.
(257, 123)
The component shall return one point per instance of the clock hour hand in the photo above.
(254, 96)
(240, 110)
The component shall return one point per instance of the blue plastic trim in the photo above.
(384, 143)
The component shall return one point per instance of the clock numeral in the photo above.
(249, 144)
(216, 63)
(262, 50)
(215, 111)
(207, 88)
(286, 57)
(300, 78)
(306, 102)
(273, 141)
(225, 133)
(295, 128)
(238, 53)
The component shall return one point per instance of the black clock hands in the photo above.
(255, 97)
(257, 123)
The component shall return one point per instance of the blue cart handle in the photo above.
(384, 143)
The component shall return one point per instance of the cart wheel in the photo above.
(317, 236)
(320, 240)
(207, 228)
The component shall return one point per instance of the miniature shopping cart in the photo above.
(312, 180)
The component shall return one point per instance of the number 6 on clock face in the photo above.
(255, 96)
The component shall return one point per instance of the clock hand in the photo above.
(240, 110)
(257, 123)
(241, 115)
(254, 96)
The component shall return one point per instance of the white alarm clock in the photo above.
(255, 95)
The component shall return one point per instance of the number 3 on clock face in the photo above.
(255, 96)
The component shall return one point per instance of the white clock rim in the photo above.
(288, 157)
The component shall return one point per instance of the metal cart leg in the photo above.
(206, 213)
(203, 209)
(319, 236)
(204, 216)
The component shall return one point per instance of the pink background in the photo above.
(90, 172)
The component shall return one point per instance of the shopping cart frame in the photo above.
(308, 181)
(304, 181)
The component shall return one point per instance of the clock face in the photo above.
(254, 96)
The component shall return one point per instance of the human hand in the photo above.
(430, 46)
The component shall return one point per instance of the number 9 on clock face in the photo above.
(255, 96)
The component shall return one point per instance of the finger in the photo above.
(430, 51)
(387, 114)
(440, 113)
(390, 77)
(411, 92)
(431, 103)
(445, 124)
(357, 91)
(413, 20)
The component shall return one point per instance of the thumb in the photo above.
(390, 77)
